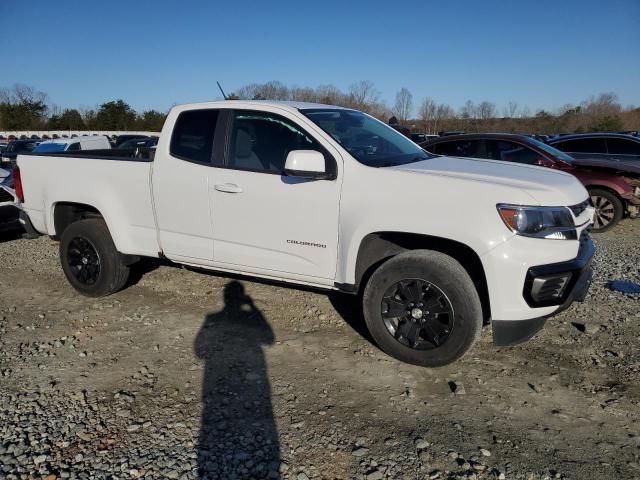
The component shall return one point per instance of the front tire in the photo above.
(90, 260)
(422, 307)
(609, 209)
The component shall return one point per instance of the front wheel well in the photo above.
(377, 248)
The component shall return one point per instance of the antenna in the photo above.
(222, 91)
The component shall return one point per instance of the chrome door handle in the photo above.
(228, 188)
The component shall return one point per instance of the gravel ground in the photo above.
(188, 375)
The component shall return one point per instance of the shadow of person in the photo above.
(238, 433)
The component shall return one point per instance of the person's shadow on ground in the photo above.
(238, 434)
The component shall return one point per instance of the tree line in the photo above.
(24, 108)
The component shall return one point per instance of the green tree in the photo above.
(22, 107)
(151, 121)
(115, 115)
(70, 119)
(609, 123)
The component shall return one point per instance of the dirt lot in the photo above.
(190, 375)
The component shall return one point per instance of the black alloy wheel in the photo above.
(417, 314)
(84, 260)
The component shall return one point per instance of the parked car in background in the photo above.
(6, 177)
(123, 138)
(608, 146)
(73, 144)
(422, 137)
(16, 147)
(614, 187)
(431, 264)
(450, 132)
(139, 143)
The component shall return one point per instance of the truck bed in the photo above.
(119, 187)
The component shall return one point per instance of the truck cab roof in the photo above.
(286, 104)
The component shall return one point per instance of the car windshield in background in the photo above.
(369, 141)
(50, 147)
(552, 150)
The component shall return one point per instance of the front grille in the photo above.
(579, 208)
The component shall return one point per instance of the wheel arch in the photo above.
(376, 248)
(66, 213)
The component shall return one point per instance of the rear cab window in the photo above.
(193, 135)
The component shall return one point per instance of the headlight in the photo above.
(539, 222)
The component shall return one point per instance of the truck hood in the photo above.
(622, 166)
(545, 186)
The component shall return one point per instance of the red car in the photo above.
(614, 187)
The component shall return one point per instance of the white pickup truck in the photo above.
(331, 198)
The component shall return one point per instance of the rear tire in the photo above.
(609, 209)
(90, 260)
(428, 292)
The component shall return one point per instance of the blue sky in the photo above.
(153, 54)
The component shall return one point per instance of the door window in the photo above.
(459, 148)
(511, 152)
(583, 145)
(261, 141)
(193, 133)
(621, 146)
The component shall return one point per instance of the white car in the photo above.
(97, 142)
(333, 198)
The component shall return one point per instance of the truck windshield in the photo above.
(50, 147)
(368, 140)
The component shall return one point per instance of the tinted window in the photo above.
(459, 148)
(50, 147)
(583, 145)
(74, 147)
(368, 140)
(193, 133)
(621, 146)
(511, 152)
(261, 141)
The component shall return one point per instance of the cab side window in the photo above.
(511, 152)
(459, 148)
(583, 145)
(74, 147)
(261, 141)
(621, 146)
(193, 134)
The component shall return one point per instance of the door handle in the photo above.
(228, 188)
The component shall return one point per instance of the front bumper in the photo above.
(557, 284)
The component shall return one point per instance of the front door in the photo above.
(264, 221)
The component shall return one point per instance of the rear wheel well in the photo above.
(376, 248)
(66, 213)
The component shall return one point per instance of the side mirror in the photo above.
(306, 164)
